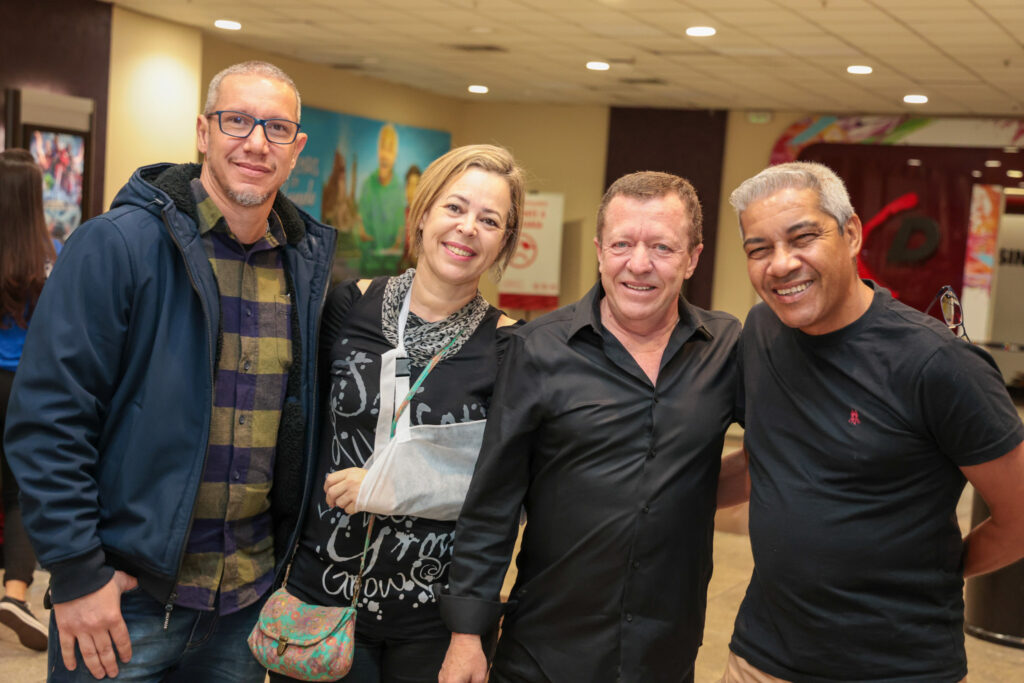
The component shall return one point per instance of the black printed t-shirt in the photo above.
(855, 439)
(407, 555)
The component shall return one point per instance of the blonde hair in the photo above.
(447, 168)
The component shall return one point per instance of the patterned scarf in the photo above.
(423, 340)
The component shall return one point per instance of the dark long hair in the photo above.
(25, 245)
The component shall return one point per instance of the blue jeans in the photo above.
(197, 647)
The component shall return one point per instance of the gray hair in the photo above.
(246, 68)
(833, 198)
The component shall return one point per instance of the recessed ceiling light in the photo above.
(1013, 173)
(993, 163)
(228, 25)
(1011, 149)
(915, 99)
(700, 31)
(598, 66)
(859, 69)
(976, 174)
(913, 162)
(478, 89)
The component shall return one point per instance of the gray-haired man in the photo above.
(863, 420)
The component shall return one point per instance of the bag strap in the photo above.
(362, 563)
(419, 380)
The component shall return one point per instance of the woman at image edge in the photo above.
(465, 217)
(26, 256)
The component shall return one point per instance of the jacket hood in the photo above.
(157, 186)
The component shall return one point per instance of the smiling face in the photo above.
(464, 230)
(799, 262)
(247, 172)
(644, 257)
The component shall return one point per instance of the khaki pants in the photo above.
(739, 670)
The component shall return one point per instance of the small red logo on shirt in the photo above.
(854, 417)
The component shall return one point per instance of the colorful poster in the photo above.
(358, 175)
(531, 281)
(979, 260)
(896, 130)
(61, 156)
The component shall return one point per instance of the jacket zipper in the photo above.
(169, 605)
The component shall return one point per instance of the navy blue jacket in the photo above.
(109, 417)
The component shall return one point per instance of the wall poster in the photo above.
(61, 155)
(358, 175)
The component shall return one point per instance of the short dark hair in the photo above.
(645, 185)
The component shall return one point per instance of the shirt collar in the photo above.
(588, 314)
(210, 216)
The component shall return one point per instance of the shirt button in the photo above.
(246, 366)
(241, 419)
(629, 616)
(645, 509)
(236, 475)
(636, 564)
(248, 312)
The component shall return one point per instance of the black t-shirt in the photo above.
(855, 439)
(407, 555)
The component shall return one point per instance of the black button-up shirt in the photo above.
(618, 478)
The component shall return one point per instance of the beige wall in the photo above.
(563, 150)
(155, 69)
(748, 147)
(159, 71)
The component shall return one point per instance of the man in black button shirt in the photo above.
(863, 417)
(607, 424)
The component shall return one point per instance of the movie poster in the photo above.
(358, 175)
(61, 156)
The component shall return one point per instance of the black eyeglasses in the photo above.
(952, 311)
(238, 124)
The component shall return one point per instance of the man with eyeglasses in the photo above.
(864, 418)
(162, 420)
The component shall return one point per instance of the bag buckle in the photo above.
(281, 646)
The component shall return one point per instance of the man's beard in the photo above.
(244, 199)
(248, 199)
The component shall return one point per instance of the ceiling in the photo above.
(967, 56)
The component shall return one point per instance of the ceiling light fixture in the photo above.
(478, 89)
(700, 31)
(1013, 173)
(859, 69)
(913, 162)
(976, 174)
(915, 99)
(993, 163)
(598, 66)
(228, 25)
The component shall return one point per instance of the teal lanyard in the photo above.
(419, 380)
